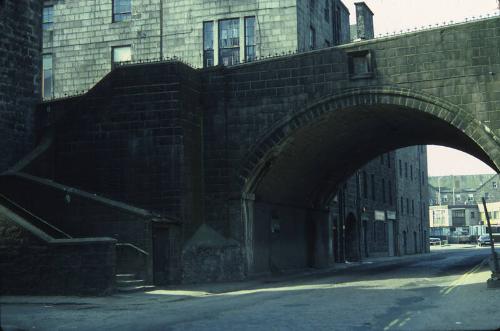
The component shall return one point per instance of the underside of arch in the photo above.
(303, 158)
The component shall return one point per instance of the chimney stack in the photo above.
(364, 21)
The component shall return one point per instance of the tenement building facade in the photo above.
(389, 198)
(84, 39)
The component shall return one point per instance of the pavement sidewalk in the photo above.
(199, 290)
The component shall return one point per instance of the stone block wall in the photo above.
(380, 196)
(20, 69)
(311, 14)
(84, 33)
(83, 215)
(66, 267)
(276, 26)
(412, 199)
(218, 264)
(77, 213)
(136, 139)
(280, 115)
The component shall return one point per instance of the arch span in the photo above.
(304, 156)
(297, 166)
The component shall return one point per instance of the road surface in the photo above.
(444, 290)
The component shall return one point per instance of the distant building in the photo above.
(388, 196)
(412, 195)
(494, 213)
(466, 189)
(455, 204)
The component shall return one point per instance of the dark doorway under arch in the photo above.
(351, 239)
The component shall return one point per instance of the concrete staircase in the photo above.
(126, 283)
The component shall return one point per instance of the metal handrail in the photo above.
(140, 250)
(33, 216)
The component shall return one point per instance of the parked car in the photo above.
(435, 241)
(483, 240)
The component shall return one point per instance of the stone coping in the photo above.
(82, 241)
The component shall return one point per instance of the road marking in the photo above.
(447, 290)
(404, 322)
(390, 325)
(400, 322)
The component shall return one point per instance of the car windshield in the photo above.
(485, 237)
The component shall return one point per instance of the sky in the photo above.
(396, 15)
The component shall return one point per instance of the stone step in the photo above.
(120, 277)
(130, 289)
(130, 282)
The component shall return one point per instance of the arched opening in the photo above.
(300, 167)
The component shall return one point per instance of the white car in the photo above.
(435, 241)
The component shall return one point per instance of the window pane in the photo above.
(250, 38)
(47, 62)
(208, 35)
(229, 41)
(312, 38)
(122, 54)
(48, 17)
(122, 10)
(229, 56)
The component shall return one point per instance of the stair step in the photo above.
(130, 289)
(130, 282)
(120, 277)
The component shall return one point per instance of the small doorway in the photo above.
(365, 237)
(390, 239)
(337, 249)
(405, 247)
(415, 244)
(161, 254)
(351, 239)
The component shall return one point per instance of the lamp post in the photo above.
(439, 190)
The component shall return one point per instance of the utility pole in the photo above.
(161, 30)
(439, 188)
(453, 190)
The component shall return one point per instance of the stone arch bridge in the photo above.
(228, 150)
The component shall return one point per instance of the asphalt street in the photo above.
(443, 290)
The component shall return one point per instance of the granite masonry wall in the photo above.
(20, 66)
(83, 34)
(82, 215)
(412, 199)
(33, 266)
(281, 132)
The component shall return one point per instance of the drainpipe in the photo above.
(358, 216)
(161, 30)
